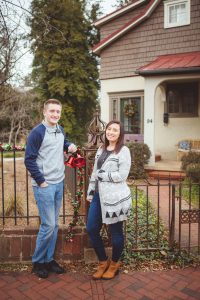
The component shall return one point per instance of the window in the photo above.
(128, 108)
(131, 114)
(176, 13)
(182, 99)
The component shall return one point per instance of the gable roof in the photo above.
(132, 23)
(120, 11)
(172, 63)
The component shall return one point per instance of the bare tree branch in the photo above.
(46, 23)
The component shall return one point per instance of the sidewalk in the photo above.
(169, 284)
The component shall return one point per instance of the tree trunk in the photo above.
(17, 132)
(11, 132)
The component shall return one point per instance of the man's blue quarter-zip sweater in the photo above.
(44, 155)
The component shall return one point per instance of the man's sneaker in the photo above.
(53, 266)
(40, 270)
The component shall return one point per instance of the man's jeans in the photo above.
(94, 225)
(49, 201)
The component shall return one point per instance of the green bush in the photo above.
(150, 237)
(191, 166)
(190, 192)
(140, 155)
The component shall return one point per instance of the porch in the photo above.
(171, 103)
(165, 169)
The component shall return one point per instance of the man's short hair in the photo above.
(52, 101)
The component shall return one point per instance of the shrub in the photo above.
(147, 236)
(140, 155)
(191, 192)
(191, 166)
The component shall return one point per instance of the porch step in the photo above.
(159, 174)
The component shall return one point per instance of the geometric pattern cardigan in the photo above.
(114, 193)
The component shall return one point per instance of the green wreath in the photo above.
(130, 109)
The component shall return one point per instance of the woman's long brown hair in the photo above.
(120, 142)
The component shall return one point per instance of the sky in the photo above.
(24, 65)
(107, 6)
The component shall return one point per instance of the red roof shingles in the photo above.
(173, 61)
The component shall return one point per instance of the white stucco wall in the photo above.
(168, 136)
(160, 138)
(117, 85)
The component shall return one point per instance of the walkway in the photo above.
(169, 284)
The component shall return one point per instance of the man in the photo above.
(44, 159)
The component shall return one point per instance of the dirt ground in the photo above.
(25, 201)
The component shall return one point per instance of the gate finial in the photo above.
(96, 129)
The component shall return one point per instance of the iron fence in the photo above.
(169, 216)
(163, 210)
(17, 204)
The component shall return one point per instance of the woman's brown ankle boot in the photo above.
(112, 270)
(102, 267)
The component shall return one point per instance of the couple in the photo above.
(108, 193)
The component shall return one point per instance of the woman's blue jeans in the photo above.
(94, 225)
(49, 201)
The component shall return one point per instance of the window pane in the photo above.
(114, 109)
(182, 98)
(173, 101)
(172, 15)
(178, 13)
(181, 13)
(131, 114)
(188, 102)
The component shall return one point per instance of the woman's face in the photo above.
(113, 132)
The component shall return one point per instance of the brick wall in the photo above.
(17, 245)
(145, 42)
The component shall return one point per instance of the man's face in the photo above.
(52, 114)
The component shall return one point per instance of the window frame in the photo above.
(177, 87)
(170, 3)
(116, 97)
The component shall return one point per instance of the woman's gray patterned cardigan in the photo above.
(114, 193)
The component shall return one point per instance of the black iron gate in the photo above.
(185, 219)
(166, 213)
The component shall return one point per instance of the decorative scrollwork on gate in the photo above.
(189, 216)
(96, 129)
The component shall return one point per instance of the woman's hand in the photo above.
(89, 198)
(72, 148)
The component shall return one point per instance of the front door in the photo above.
(128, 108)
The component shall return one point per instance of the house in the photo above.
(150, 72)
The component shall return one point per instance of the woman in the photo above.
(110, 198)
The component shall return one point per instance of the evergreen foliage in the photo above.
(64, 66)
(191, 166)
(140, 155)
